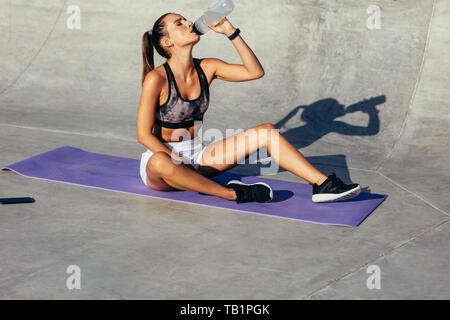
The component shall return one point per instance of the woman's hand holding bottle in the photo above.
(223, 27)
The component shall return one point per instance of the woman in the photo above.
(173, 100)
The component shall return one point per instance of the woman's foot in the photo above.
(254, 192)
(333, 189)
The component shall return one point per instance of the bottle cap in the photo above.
(196, 31)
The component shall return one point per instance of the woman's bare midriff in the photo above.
(175, 135)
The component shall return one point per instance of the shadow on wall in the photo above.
(320, 120)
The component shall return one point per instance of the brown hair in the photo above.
(150, 41)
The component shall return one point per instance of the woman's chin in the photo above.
(196, 40)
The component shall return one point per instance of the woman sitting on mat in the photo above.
(175, 97)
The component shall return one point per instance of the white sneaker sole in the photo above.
(326, 197)
(250, 184)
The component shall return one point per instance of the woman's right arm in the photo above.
(151, 89)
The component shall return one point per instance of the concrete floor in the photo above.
(369, 104)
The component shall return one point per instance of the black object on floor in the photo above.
(16, 200)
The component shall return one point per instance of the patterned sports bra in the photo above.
(177, 112)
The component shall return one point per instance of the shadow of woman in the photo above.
(320, 120)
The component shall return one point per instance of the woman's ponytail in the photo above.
(153, 40)
(147, 55)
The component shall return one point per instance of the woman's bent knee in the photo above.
(155, 168)
(267, 125)
(161, 163)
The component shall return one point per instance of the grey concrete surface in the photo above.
(368, 104)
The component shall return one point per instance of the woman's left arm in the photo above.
(250, 69)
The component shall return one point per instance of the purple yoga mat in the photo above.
(291, 200)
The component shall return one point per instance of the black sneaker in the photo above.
(334, 189)
(255, 192)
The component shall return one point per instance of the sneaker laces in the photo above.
(338, 181)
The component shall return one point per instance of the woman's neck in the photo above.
(182, 65)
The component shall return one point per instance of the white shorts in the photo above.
(191, 150)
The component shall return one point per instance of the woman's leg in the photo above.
(217, 158)
(184, 177)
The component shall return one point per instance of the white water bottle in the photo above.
(216, 13)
